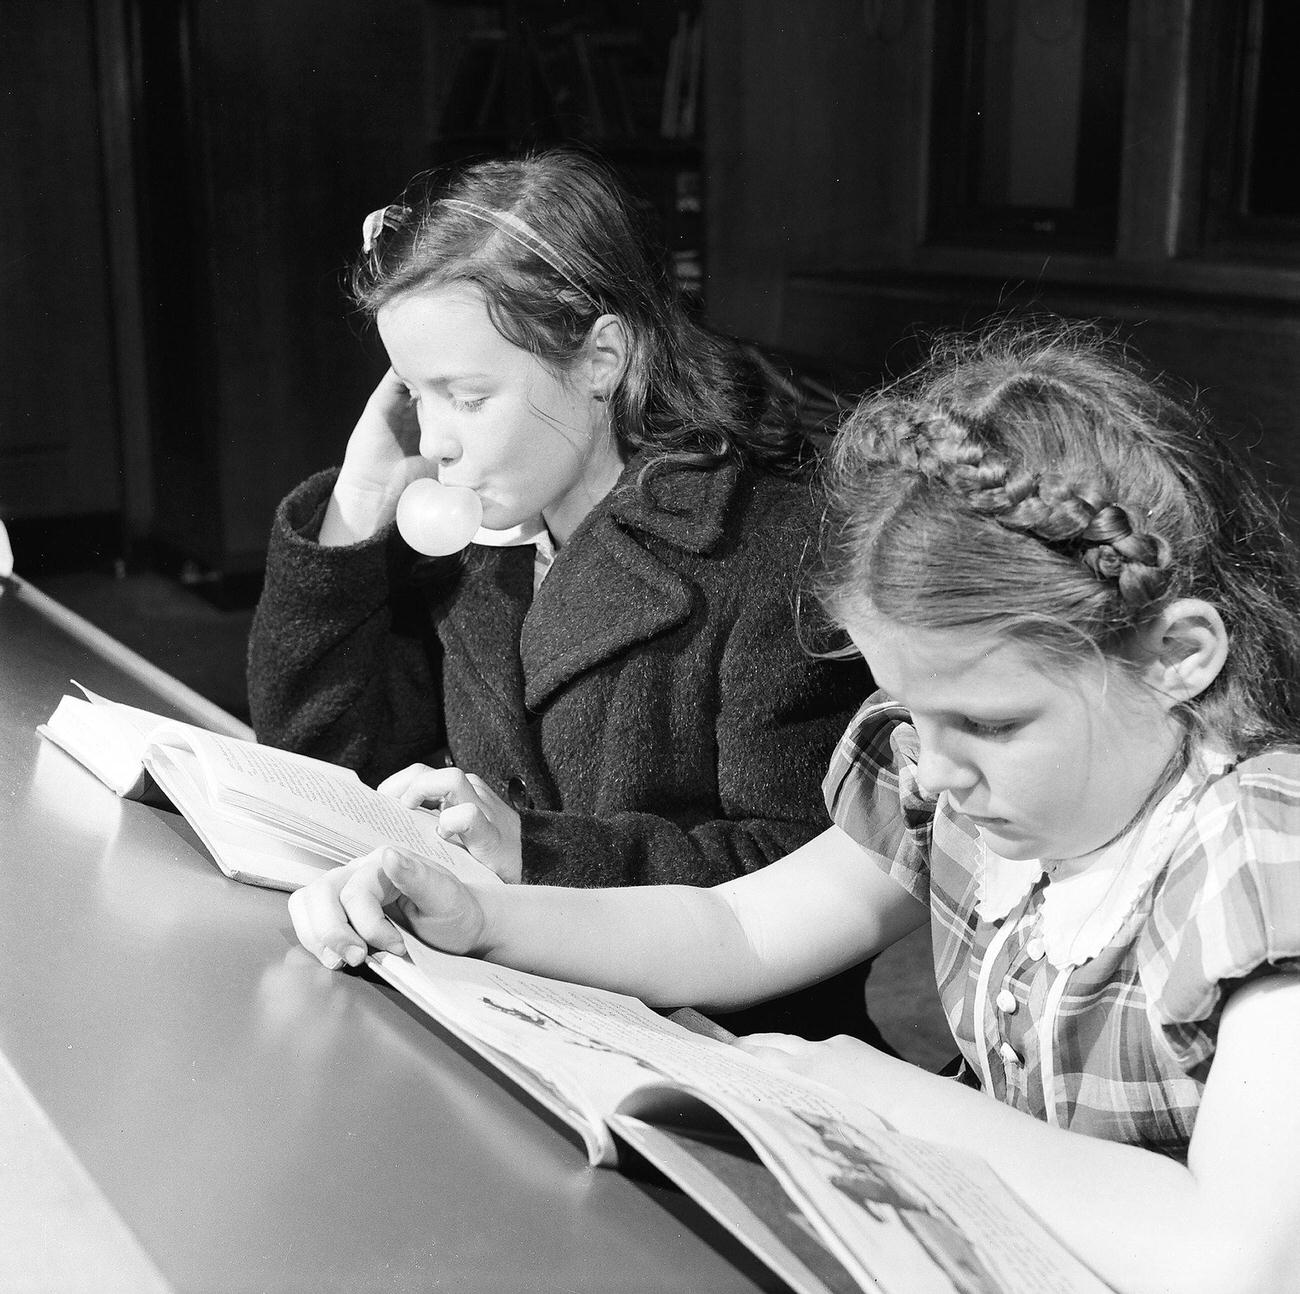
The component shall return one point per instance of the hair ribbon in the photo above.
(389, 217)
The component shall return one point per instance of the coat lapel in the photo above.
(616, 583)
(482, 623)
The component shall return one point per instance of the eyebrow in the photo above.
(446, 379)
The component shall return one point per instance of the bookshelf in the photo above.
(622, 77)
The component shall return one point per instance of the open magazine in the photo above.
(267, 816)
(814, 1184)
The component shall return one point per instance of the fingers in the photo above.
(438, 787)
(337, 916)
(788, 1043)
(471, 813)
(774, 1050)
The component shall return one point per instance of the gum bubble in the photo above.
(438, 519)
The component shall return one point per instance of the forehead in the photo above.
(955, 669)
(444, 329)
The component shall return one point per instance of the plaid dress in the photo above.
(1100, 1016)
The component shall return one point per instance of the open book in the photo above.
(267, 817)
(814, 1184)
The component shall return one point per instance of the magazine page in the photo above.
(904, 1215)
(563, 1093)
(598, 1046)
(721, 1173)
(307, 802)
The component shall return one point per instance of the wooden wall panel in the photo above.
(58, 408)
(813, 159)
(1242, 357)
(301, 116)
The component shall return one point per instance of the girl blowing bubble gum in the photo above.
(1080, 769)
(608, 685)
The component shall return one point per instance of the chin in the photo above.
(1015, 849)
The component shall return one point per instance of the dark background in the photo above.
(184, 181)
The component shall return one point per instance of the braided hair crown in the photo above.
(1079, 519)
(1032, 480)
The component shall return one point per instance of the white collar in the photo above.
(527, 532)
(1087, 901)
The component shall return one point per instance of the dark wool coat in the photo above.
(652, 712)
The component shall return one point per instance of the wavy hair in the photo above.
(1033, 481)
(553, 240)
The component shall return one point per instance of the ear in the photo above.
(1185, 647)
(607, 355)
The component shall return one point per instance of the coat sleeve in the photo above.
(781, 711)
(342, 661)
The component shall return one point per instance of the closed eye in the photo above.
(991, 729)
(468, 406)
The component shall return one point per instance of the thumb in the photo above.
(441, 911)
(413, 878)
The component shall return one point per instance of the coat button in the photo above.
(517, 794)
(1010, 1057)
(1006, 1002)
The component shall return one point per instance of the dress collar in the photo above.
(1085, 903)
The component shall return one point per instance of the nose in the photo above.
(941, 765)
(438, 440)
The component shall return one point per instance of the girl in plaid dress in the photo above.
(1079, 770)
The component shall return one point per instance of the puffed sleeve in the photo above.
(1228, 907)
(872, 793)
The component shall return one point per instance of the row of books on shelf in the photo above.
(818, 1186)
(605, 84)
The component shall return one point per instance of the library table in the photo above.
(189, 1102)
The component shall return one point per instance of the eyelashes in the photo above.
(461, 405)
(991, 730)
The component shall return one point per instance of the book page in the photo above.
(95, 738)
(242, 850)
(307, 801)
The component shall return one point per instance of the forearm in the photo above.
(1143, 1222)
(816, 911)
(668, 945)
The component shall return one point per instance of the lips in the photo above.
(985, 823)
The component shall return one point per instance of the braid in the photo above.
(1034, 482)
(939, 446)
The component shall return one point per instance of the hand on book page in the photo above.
(471, 811)
(344, 913)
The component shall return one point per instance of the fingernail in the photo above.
(330, 959)
(353, 955)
